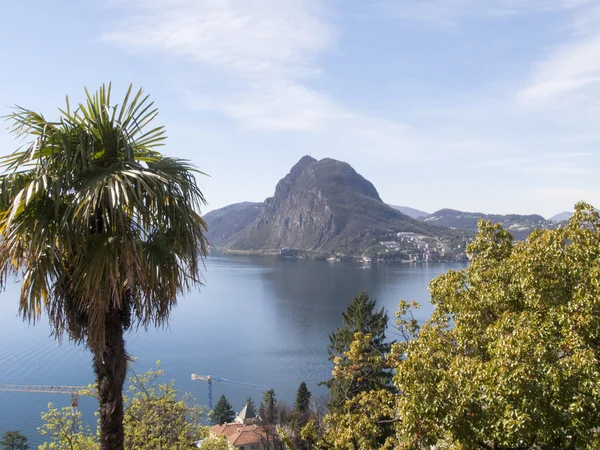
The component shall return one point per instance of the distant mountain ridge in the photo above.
(319, 206)
(517, 224)
(561, 217)
(325, 207)
(322, 206)
(224, 223)
(412, 212)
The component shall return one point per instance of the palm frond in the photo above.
(94, 218)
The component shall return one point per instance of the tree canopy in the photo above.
(102, 229)
(361, 316)
(156, 417)
(509, 359)
(14, 440)
(302, 398)
(267, 411)
(223, 412)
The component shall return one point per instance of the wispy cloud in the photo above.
(265, 49)
(268, 51)
(572, 67)
(267, 56)
(248, 39)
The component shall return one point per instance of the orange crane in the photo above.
(210, 379)
(74, 391)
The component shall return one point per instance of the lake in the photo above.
(256, 320)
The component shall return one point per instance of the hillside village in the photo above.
(409, 247)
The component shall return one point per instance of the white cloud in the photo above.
(571, 68)
(248, 39)
(268, 51)
(264, 49)
(280, 106)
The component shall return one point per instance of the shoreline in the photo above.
(295, 254)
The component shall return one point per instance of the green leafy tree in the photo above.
(214, 443)
(62, 430)
(155, 418)
(302, 398)
(102, 229)
(366, 420)
(361, 316)
(14, 440)
(223, 412)
(509, 358)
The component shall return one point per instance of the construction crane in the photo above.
(210, 380)
(74, 391)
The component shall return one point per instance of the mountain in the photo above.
(561, 217)
(228, 221)
(518, 225)
(412, 212)
(319, 206)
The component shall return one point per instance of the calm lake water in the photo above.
(257, 321)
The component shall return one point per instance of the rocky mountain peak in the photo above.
(302, 164)
(319, 205)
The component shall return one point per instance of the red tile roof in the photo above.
(238, 434)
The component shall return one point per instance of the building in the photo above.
(248, 437)
(248, 432)
(247, 416)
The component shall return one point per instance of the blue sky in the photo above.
(477, 105)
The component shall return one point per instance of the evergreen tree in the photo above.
(13, 440)
(267, 407)
(361, 316)
(251, 404)
(223, 413)
(302, 398)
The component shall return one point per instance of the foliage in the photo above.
(134, 237)
(360, 317)
(509, 359)
(223, 412)
(302, 398)
(14, 440)
(267, 410)
(155, 418)
(102, 229)
(214, 443)
(366, 420)
(62, 430)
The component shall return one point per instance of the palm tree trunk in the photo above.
(110, 367)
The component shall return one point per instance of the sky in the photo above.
(477, 105)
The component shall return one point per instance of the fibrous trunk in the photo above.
(110, 366)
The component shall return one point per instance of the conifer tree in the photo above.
(267, 407)
(302, 398)
(14, 440)
(223, 412)
(361, 316)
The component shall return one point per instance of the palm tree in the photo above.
(102, 229)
